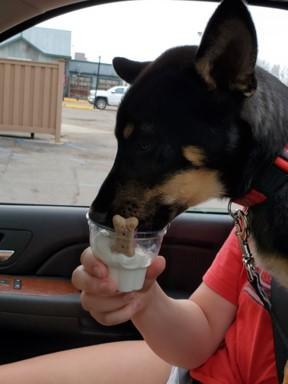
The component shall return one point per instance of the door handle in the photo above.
(5, 254)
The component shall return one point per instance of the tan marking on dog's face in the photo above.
(189, 188)
(128, 131)
(194, 154)
(285, 379)
(185, 189)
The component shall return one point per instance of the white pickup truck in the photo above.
(112, 96)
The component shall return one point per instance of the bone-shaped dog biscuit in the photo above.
(124, 229)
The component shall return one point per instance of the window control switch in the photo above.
(17, 284)
(4, 282)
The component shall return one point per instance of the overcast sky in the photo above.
(142, 30)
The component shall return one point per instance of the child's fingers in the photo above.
(155, 269)
(104, 304)
(93, 265)
(84, 281)
(119, 316)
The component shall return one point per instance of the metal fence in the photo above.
(31, 96)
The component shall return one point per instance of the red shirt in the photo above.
(247, 354)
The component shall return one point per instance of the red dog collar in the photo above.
(273, 178)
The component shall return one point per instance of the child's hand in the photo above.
(99, 294)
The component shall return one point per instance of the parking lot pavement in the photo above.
(40, 171)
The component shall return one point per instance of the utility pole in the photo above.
(97, 80)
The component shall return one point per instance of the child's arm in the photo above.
(182, 332)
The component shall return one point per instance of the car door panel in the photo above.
(13, 242)
(52, 229)
(47, 307)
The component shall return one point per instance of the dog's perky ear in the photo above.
(227, 54)
(128, 70)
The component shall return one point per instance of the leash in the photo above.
(266, 183)
(240, 218)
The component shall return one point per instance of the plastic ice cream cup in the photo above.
(128, 272)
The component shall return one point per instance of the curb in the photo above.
(73, 100)
(77, 106)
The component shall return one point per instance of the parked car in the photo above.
(102, 98)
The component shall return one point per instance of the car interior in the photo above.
(40, 245)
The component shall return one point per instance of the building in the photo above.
(46, 45)
(85, 75)
(80, 56)
(38, 44)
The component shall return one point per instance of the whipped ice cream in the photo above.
(128, 272)
(102, 245)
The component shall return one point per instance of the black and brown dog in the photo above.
(199, 123)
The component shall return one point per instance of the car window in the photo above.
(72, 54)
(119, 90)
